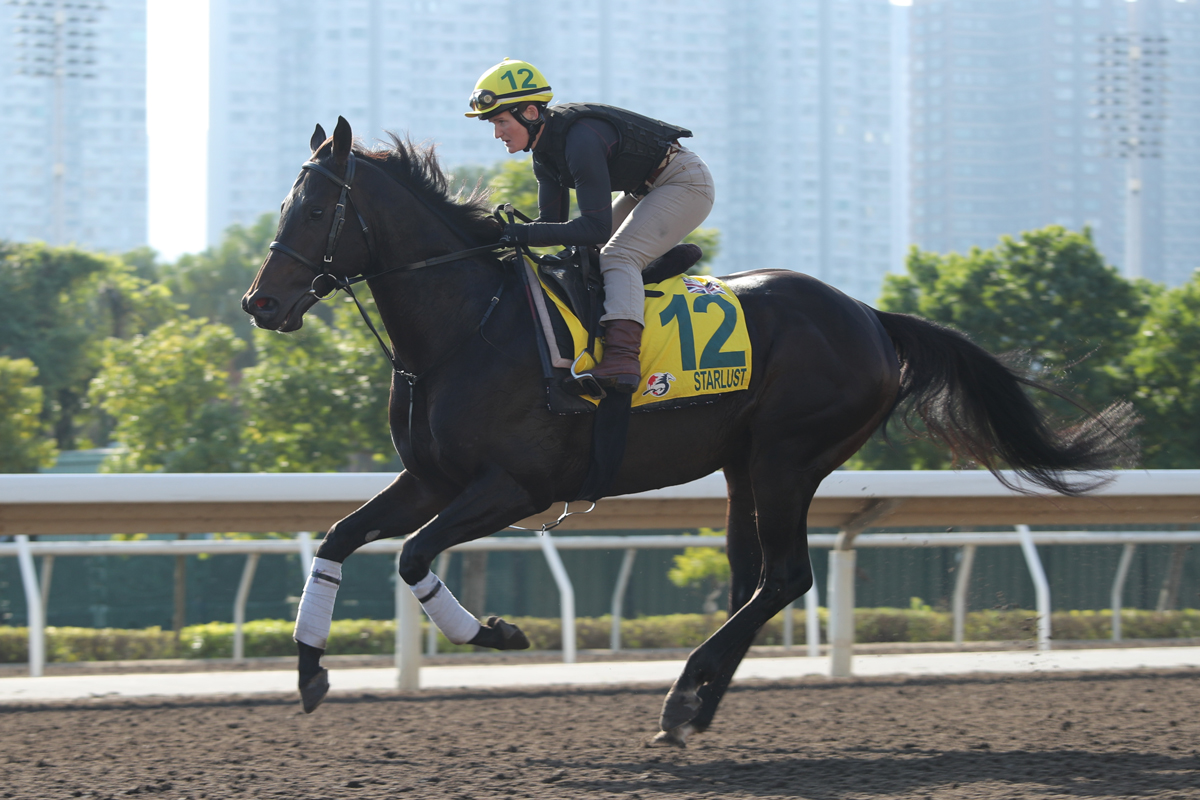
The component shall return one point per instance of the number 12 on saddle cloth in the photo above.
(695, 342)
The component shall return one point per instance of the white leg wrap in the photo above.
(316, 604)
(444, 609)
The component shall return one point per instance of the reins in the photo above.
(345, 283)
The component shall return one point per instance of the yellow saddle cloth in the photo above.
(695, 342)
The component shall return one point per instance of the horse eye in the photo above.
(316, 213)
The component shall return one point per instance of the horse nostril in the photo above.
(262, 302)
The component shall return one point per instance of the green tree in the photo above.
(57, 307)
(1047, 295)
(211, 284)
(704, 567)
(144, 262)
(466, 178)
(317, 400)
(171, 394)
(513, 182)
(23, 447)
(708, 240)
(1163, 371)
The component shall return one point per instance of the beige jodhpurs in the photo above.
(678, 201)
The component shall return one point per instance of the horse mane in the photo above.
(415, 166)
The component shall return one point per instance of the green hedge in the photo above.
(376, 637)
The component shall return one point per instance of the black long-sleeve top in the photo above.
(590, 143)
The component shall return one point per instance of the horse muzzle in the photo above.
(270, 314)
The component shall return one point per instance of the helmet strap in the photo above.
(533, 126)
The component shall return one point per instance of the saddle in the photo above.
(573, 274)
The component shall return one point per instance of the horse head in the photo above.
(312, 252)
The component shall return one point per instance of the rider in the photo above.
(667, 191)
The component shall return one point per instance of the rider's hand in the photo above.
(515, 233)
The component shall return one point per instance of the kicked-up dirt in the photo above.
(1063, 736)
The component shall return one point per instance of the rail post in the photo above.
(304, 542)
(1041, 586)
(408, 636)
(566, 596)
(618, 599)
(44, 583)
(33, 606)
(1118, 588)
(841, 611)
(789, 625)
(962, 581)
(239, 607)
(842, 562)
(812, 622)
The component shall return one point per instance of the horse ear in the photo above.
(318, 138)
(342, 139)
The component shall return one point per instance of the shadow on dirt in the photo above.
(891, 773)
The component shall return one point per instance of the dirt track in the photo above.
(1062, 736)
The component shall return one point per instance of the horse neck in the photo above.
(427, 312)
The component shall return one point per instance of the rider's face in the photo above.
(508, 130)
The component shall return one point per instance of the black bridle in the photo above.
(335, 232)
(345, 283)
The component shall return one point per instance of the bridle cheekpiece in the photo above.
(335, 232)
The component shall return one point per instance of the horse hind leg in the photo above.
(745, 566)
(705, 701)
(782, 497)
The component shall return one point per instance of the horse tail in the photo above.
(975, 404)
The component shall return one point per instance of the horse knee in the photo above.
(331, 548)
(739, 595)
(800, 584)
(340, 542)
(771, 591)
(414, 564)
(783, 590)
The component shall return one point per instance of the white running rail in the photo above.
(408, 656)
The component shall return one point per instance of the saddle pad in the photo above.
(695, 343)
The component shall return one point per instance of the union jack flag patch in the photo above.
(702, 287)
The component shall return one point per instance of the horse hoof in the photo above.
(313, 692)
(679, 708)
(500, 635)
(676, 737)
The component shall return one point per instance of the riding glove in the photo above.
(515, 233)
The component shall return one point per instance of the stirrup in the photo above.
(585, 383)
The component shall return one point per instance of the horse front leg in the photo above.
(490, 503)
(405, 505)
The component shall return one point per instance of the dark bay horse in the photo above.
(481, 450)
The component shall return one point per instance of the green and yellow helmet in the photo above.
(508, 84)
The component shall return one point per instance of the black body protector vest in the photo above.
(641, 147)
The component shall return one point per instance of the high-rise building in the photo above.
(1011, 128)
(788, 100)
(73, 94)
